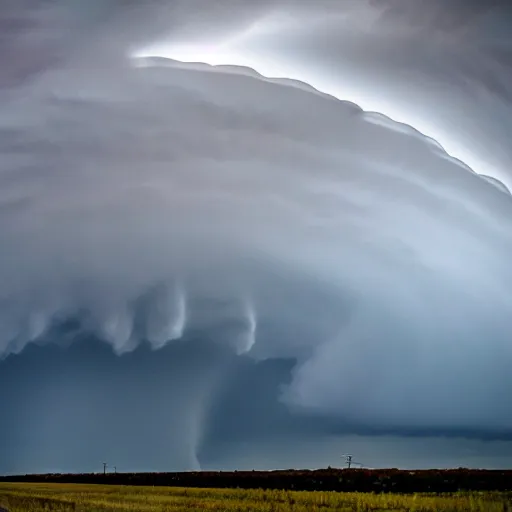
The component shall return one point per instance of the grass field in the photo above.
(101, 498)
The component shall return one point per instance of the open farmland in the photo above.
(39, 497)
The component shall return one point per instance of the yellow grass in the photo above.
(102, 498)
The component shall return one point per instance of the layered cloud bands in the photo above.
(155, 203)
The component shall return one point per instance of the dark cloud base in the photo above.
(138, 411)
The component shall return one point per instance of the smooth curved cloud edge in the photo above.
(143, 60)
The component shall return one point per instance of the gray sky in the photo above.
(216, 262)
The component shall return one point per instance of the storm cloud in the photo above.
(147, 200)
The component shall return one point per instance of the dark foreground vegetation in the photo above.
(346, 480)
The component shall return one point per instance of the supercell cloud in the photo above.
(148, 201)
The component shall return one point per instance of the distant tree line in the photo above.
(347, 480)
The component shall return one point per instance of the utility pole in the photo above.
(350, 462)
(104, 468)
